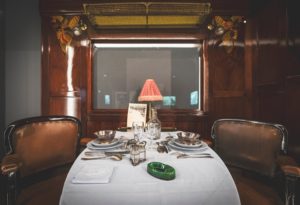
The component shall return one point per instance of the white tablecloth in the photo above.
(199, 181)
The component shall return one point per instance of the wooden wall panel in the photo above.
(230, 107)
(292, 79)
(275, 64)
(292, 118)
(227, 71)
(270, 104)
(64, 70)
(61, 75)
(255, 81)
(65, 106)
(227, 76)
(268, 68)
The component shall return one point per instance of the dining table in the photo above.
(106, 181)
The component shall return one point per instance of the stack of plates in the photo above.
(197, 146)
(96, 144)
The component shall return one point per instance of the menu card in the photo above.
(136, 112)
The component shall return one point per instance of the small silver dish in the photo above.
(105, 136)
(188, 137)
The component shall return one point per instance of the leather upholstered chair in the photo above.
(39, 152)
(251, 151)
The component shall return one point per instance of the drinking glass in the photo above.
(151, 133)
(138, 129)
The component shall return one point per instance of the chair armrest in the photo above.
(85, 140)
(9, 168)
(292, 171)
(208, 142)
(289, 166)
(10, 164)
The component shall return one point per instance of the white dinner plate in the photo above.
(177, 147)
(96, 143)
(93, 147)
(197, 144)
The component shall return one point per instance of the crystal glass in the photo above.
(155, 124)
(138, 130)
(153, 128)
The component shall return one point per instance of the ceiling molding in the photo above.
(75, 7)
(147, 14)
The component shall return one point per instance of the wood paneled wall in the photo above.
(227, 75)
(67, 88)
(258, 80)
(274, 58)
(61, 75)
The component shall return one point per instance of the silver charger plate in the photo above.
(96, 143)
(197, 144)
(93, 147)
(177, 147)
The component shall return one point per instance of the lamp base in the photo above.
(149, 114)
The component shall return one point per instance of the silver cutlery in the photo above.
(112, 152)
(161, 147)
(200, 155)
(116, 157)
(102, 155)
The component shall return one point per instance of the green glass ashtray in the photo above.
(161, 171)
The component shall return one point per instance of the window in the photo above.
(120, 70)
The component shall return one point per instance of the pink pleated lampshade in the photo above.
(150, 92)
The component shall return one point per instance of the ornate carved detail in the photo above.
(225, 29)
(66, 28)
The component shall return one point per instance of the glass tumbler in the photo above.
(138, 129)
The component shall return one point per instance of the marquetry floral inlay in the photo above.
(66, 27)
(226, 30)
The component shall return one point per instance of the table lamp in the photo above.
(149, 93)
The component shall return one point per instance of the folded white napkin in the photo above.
(94, 174)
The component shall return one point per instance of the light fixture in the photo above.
(150, 93)
(146, 45)
(77, 30)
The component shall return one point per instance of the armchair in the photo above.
(251, 150)
(39, 153)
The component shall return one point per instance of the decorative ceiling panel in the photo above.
(147, 14)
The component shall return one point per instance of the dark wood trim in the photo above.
(147, 34)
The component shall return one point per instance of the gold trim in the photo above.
(147, 14)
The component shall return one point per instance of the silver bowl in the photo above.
(188, 137)
(105, 135)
